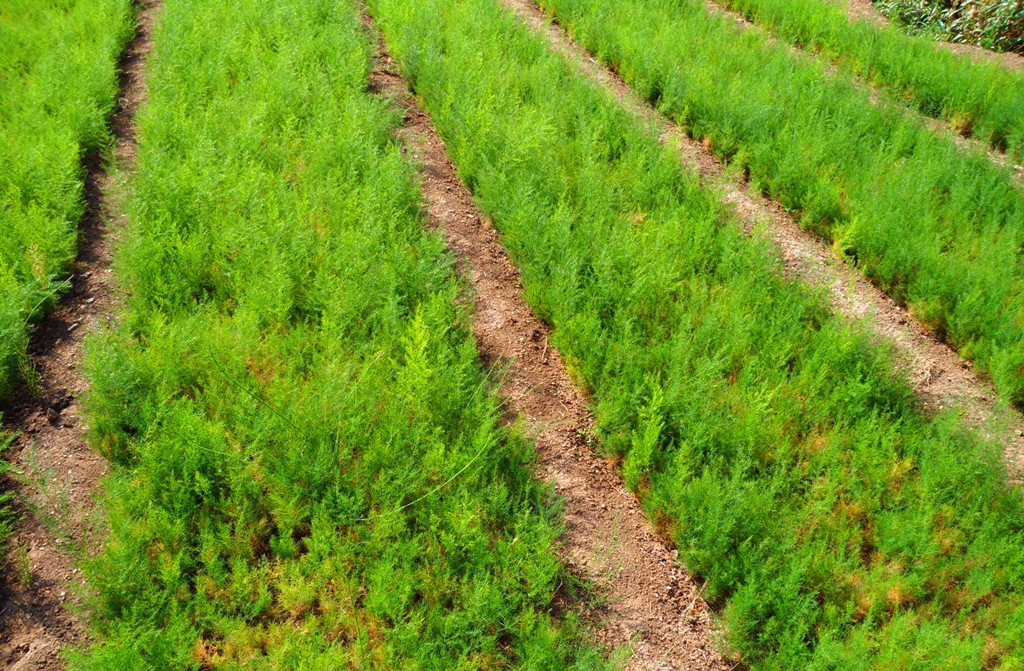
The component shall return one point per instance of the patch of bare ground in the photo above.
(865, 10)
(941, 379)
(939, 127)
(57, 473)
(652, 607)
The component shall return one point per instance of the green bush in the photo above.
(58, 82)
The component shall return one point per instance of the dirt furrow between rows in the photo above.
(939, 127)
(653, 607)
(56, 472)
(940, 377)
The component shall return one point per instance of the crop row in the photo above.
(58, 75)
(938, 228)
(57, 88)
(307, 465)
(836, 526)
(982, 99)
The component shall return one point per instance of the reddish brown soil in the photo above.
(58, 472)
(653, 607)
(866, 11)
(936, 372)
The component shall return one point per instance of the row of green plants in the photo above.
(836, 525)
(938, 227)
(58, 83)
(308, 468)
(979, 98)
(992, 24)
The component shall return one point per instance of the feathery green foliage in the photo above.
(982, 99)
(838, 528)
(937, 227)
(307, 466)
(58, 83)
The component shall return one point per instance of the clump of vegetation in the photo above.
(993, 24)
(308, 470)
(980, 99)
(837, 526)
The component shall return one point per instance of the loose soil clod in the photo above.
(59, 471)
(936, 372)
(654, 607)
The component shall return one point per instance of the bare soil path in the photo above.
(58, 472)
(936, 372)
(653, 608)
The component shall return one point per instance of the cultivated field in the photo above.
(938, 226)
(308, 470)
(427, 349)
(979, 99)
